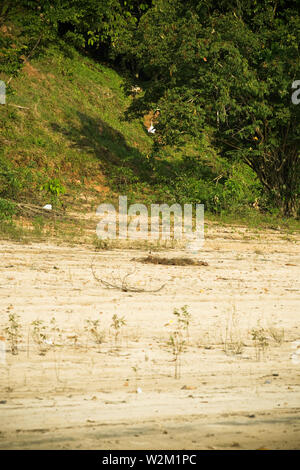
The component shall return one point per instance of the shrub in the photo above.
(7, 209)
(10, 183)
(54, 187)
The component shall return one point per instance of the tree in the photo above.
(227, 68)
(84, 23)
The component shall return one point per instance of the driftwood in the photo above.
(17, 106)
(177, 261)
(122, 283)
(32, 210)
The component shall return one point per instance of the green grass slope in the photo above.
(64, 122)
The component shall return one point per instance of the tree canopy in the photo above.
(227, 70)
(223, 68)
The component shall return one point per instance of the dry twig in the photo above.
(122, 283)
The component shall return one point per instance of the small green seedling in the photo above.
(277, 334)
(179, 337)
(176, 343)
(13, 332)
(233, 343)
(92, 327)
(117, 324)
(56, 331)
(183, 319)
(40, 337)
(259, 336)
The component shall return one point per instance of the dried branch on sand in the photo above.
(122, 283)
(33, 210)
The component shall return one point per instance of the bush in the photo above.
(7, 209)
(235, 192)
(10, 183)
(54, 187)
(241, 190)
(122, 177)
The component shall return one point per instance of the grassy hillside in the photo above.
(64, 140)
(64, 121)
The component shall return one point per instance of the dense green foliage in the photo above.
(220, 73)
(227, 70)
